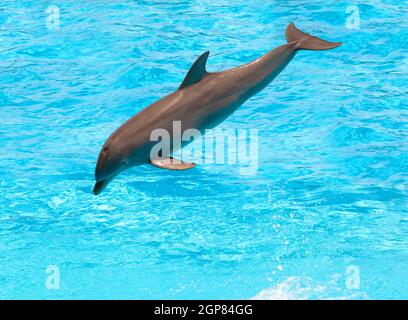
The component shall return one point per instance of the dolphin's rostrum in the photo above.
(202, 101)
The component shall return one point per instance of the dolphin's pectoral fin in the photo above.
(196, 72)
(171, 163)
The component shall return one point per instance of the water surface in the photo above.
(330, 195)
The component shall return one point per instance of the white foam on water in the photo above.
(305, 288)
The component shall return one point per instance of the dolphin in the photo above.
(202, 101)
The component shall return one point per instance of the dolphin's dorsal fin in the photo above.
(196, 72)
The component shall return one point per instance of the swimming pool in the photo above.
(325, 215)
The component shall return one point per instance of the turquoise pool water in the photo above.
(324, 217)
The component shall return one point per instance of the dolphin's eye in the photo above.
(104, 153)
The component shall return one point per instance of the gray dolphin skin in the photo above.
(201, 102)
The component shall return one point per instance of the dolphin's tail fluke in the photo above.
(306, 41)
